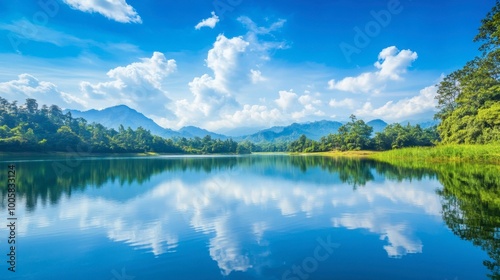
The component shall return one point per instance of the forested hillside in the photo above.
(30, 128)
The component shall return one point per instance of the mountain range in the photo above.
(113, 117)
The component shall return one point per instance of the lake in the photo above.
(250, 217)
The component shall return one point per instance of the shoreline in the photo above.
(479, 154)
(476, 154)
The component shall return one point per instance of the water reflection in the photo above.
(238, 203)
(471, 208)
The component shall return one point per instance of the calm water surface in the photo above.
(251, 217)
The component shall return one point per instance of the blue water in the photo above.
(247, 217)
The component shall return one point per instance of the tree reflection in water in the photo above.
(470, 195)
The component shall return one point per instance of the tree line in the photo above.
(357, 135)
(30, 128)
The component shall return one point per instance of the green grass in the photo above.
(444, 153)
(352, 154)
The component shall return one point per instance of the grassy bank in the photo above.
(489, 154)
(352, 154)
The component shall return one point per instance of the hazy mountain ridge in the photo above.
(313, 130)
(115, 116)
(112, 117)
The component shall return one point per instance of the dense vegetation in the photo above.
(28, 128)
(469, 98)
(487, 153)
(356, 135)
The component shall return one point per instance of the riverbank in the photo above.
(481, 154)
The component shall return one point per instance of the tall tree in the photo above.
(468, 98)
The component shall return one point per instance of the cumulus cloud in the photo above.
(208, 22)
(286, 99)
(234, 63)
(138, 85)
(391, 64)
(288, 106)
(213, 93)
(46, 93)
(117, 10)
(310, 107)
(422, 104)
(344, 103)
(255, 114)
(225, 59)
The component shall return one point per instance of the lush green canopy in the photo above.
(469, 98)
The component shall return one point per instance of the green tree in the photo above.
(468, 98)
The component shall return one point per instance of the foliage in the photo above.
(356, 135)
(469, 98)
(451, 153)
(28, 128)
(396, 136)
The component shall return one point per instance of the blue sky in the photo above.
(237, 63)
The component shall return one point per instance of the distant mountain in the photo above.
(377, 124)
(239, 131)
(313, 130)
(193, 131)
(422, 123)
(113, 117)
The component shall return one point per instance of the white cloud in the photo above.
(346, 103)
(208, 22)
(233, 62)
(391, 64)
(289, 106)
(117, 10)
(261, 47)
(138, 85)
(310, 107)
(225, 59)
(211, 94)
(252, 26)
(250, 114)
(256, 76)
(286, 99)
(307, 100)
(422, 104)
(46, 93)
